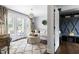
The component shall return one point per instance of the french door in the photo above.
(18, 25)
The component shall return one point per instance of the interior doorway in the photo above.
(69, 31)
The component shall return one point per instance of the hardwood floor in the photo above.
(68, 48)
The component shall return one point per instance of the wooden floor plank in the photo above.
(68, 48)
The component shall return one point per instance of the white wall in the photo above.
(42, 28)
(50, 29)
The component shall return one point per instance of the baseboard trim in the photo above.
(19, 39)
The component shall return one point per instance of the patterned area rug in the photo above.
(22, 47)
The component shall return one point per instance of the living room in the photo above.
(21, 24)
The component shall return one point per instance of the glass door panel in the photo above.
(11, 26)
(20, 27)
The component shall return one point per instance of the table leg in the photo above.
(0, 51)
(8, 49)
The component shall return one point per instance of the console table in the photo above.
(5, 41)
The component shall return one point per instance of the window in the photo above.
(18, 25)
(10, 24)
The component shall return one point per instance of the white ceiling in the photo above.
(37, 10)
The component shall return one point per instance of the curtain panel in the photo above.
(3, 20)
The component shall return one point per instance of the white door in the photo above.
(56, 18)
